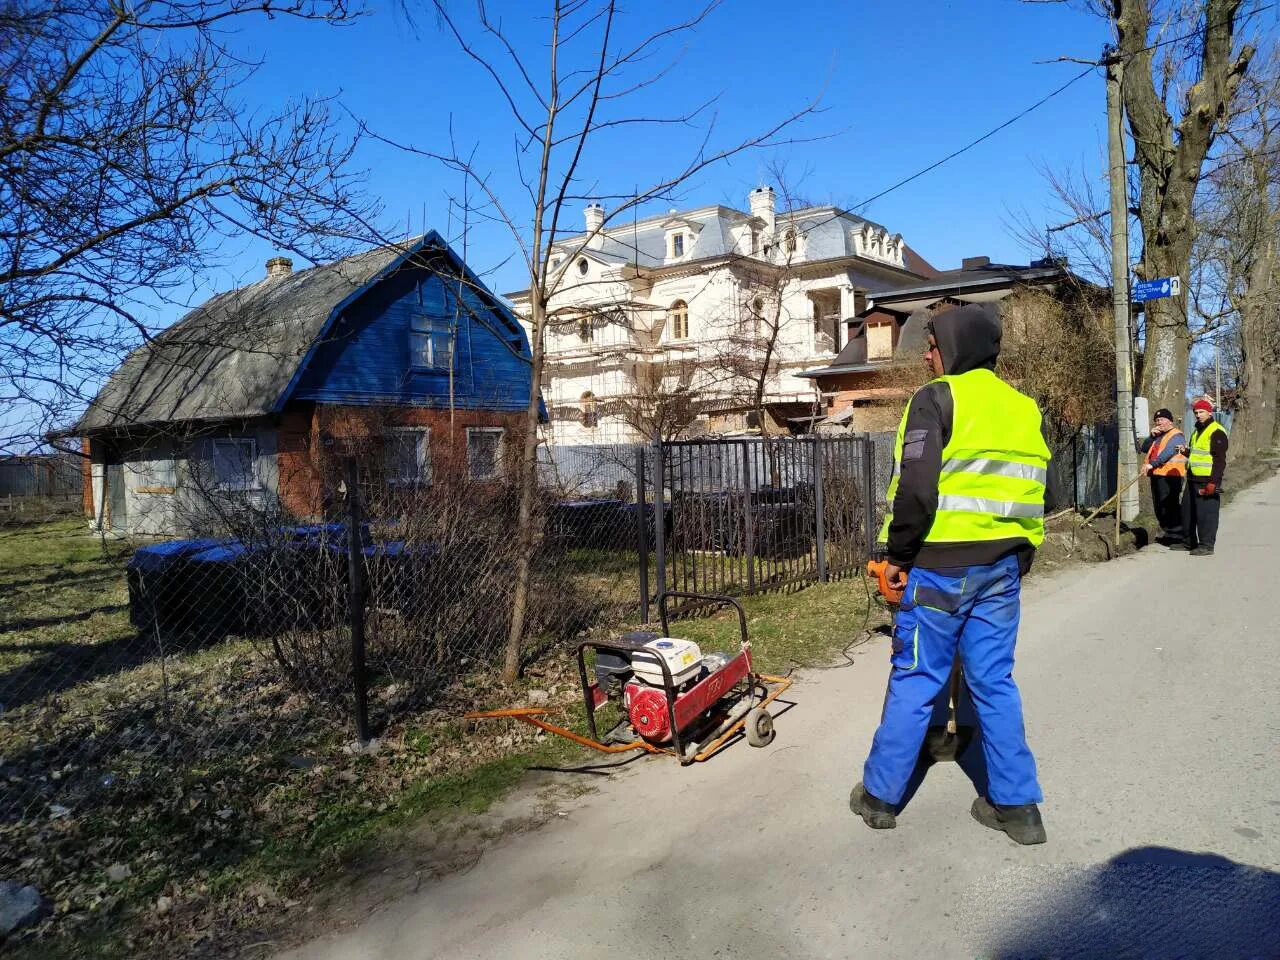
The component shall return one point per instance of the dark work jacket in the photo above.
(968, 339)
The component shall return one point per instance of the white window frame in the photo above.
(500, 432)
(677, 245)
(252, 482)
(678, 316)
(436, 335)
(423, 477)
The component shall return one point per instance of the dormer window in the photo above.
(790, 241)
(880, 341)
(556, 261)
(677, 246)
(583, 267)
(755, 242)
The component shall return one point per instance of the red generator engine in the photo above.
(699, 683)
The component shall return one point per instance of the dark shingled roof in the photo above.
(236, 355)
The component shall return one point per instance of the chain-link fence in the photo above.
(185, 683)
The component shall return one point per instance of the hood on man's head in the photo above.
(968, 337)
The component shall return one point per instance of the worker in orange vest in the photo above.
(1166, 466)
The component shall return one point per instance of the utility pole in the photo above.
(1128, 454)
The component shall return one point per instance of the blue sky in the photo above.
(902, 85)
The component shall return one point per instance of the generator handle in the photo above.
(716, 598)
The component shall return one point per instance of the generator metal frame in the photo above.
(767, 687)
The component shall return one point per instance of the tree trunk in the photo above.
(526, 526)
(1170, 157)
(1168, 339)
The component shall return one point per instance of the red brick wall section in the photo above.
(86, 474)
(302, 453)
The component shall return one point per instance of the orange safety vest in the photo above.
(1175, 466)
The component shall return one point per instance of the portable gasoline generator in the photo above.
(675, 699)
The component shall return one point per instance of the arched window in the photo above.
(791, 241)
(678, 320)
(590, 416)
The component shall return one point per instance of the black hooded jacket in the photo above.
(969, 339)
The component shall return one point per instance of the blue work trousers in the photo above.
(974, 609)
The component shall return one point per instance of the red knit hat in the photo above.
(1203, 404)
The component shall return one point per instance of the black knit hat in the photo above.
(1164, 412)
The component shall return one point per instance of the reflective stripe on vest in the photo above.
(1200, 463)
(994, 467)
(1175, 466)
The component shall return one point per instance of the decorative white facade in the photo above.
(680, 309)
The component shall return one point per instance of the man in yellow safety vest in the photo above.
(1206, 463)
(966, 514)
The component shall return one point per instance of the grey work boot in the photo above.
(1022, 823)
(877, 814)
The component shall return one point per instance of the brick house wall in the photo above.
(310, 436)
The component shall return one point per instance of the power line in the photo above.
(973, 143)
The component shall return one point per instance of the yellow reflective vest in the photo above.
(1200, 461)
(994, 467)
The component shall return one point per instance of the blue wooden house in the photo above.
(400, 350)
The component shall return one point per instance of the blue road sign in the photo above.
(1157, 289)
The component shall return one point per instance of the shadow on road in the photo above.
(1145, 902)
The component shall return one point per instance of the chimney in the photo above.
(279, 267)
(975, 263)
(594, 215)
(762, 205)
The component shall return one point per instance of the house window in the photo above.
(153, 475)
(755, 241)
(235, 463)
(678, 320)
(791, 241)
(484, 452)
(555, 262)
(586, 330)
(590, 416)
(677, 245)
(406, 456)
(582, 267)
(879, 341)
(430, 343)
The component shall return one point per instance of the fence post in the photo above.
(869, 490)
(749, 516)
(642, 533)
(356, 599)
(660, 515)
(819, 508)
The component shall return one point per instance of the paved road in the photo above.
(1160, 759)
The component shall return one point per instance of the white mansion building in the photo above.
(670, 324)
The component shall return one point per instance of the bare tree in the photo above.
(751, 337)
(1177, 94)
(125, 157)
(589, 70)
(1239, 304)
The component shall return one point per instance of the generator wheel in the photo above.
(759, 725)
